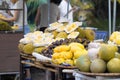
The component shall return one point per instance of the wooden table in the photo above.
(48, 67)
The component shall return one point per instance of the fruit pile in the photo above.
(67, 54)
(53, 36)
(35, 41)
(48, 51)
(100, 58)
(73, 30)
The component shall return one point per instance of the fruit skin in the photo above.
(76, 44)
(117, 55)
(113, 65)
(83, 63)
(98, 66)
(107, 51)
(28, 48)
(55, 33)
(39, 49)
(20, 46)
(81, 32)
(89, 34)
(78, 53)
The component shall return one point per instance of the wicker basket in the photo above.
(98, 74)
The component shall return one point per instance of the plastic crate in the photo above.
(101, 35)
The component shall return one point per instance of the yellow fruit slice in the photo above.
(70, 28)
(73, 35)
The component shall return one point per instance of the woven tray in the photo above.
(99, 74)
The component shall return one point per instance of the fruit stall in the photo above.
(70, 49)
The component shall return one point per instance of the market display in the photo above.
(73, 46)
(58, 36)
(100, 60)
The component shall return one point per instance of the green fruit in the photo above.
(81, 32)
(117, 55)
(89, 34)
(28, 48)
(4, 26)
(83, 63)
(20, 46)
(39, 49)
(113, 65)
(107, 52)
(55, 33)
(98, 66)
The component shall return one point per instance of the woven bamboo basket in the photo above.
(99, 74)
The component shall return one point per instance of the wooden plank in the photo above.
(40, 66)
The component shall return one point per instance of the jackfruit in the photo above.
(78, 53)
(61, 48)
(68, 55)
(70, 28)
(39, 49)
(81, 32)
(61, 28)
(89, 34)
(4, 26)
(58, 61)
(55, 33)
(62, 35)
(76, 44)
(20, 46)
(73, 35)
(28, 48)
(55, 56)
(69, 61)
